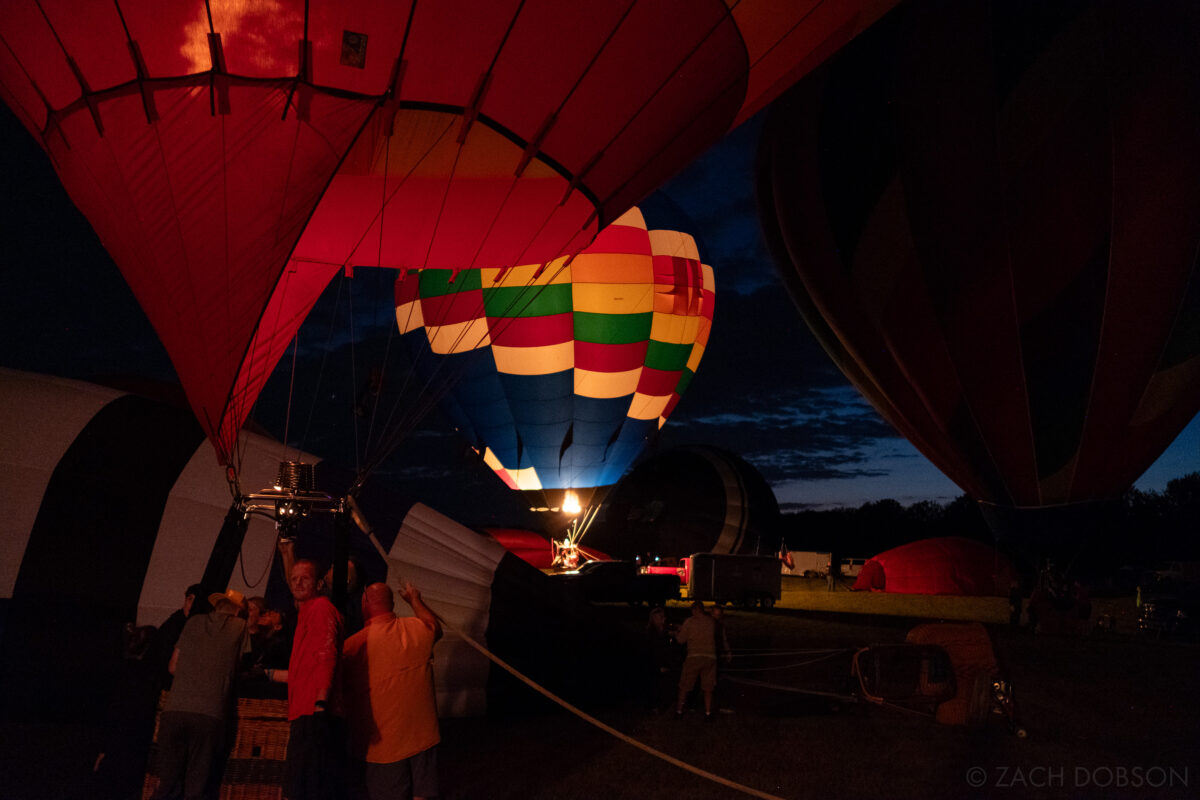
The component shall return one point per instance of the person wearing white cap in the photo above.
(192, 728)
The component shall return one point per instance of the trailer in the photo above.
(619, 582)
(747, 581)
(808, 564)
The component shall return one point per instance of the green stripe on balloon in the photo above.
(684, 380)
(436, 282)
(527, 301)
(612, 328)
(665, 356)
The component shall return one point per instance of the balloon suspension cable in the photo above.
(287, 418)
(394, 566)
(580, 525)
(442, 377)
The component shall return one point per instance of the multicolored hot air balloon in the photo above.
(233, 156)
(562, 372)
(989, 213)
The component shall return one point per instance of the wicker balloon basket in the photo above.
(254, 769)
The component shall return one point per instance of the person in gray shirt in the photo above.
(191, 732)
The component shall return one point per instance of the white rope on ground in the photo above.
(764, 653)
(361, 522)
(781, 688)
(795, 665)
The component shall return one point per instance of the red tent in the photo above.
(948, 565)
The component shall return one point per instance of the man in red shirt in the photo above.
(316, 740)
(391, 711)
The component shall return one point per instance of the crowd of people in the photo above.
(359, 689)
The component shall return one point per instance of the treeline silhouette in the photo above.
(1138, 529)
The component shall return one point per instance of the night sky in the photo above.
(764, 390)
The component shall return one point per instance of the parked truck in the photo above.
(808, 564)
(747, 581)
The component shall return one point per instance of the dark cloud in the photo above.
(767, 391)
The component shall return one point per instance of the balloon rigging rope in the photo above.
(392, 327)
(489, 655)
(287, 417)
(266, 569)
(353, 380)
(324, 358)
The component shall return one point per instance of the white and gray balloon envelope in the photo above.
(113, 506)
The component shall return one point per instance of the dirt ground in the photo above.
(1108, 715)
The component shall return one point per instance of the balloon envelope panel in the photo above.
(988, 214)
(233, 156)
(560, 373)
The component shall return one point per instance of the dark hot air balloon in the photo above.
(989, 213)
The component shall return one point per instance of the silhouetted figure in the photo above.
(120, 767)
(662, 657)
(1015, 599)
(698, 633)
(168, 633)
(192, 730)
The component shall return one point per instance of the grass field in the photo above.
(1108, 715)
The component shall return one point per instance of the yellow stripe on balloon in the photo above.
(490, 459)
(523, 275)
(526, 479)
(605, 385)
(459, 337)
(644, 406)
(515, 478)
(544, 360)
(613, 268)
(613, 298)
(673, 243)
(632, 218)
(674, 329)
(680, 302)
(409, 316)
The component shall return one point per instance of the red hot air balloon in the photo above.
(232, 156)
(989, 213)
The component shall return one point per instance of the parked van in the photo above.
(808, 563)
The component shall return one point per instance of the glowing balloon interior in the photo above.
(567, 369)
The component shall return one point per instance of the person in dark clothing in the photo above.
(120, 766)
(192, 730)
(194, 602)
(1015, 601)
(270, 648)
(663, 658)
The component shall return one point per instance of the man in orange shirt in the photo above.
(391, 712)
